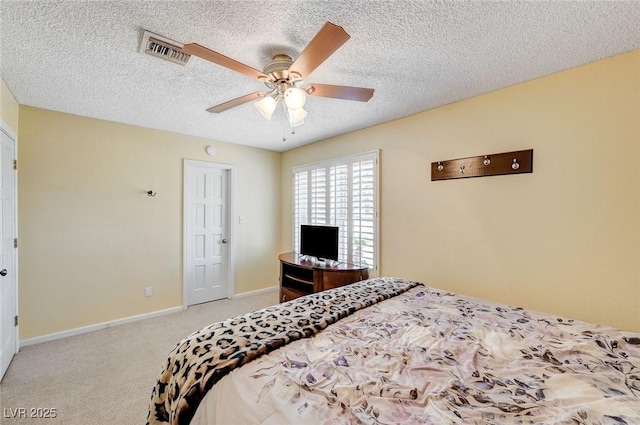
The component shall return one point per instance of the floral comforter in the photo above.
(431, 357)
(200, 360)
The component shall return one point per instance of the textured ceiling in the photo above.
(83, 57)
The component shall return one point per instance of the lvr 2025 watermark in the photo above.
(29, 412)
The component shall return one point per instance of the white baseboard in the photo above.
(125, 320)
(256, 292)
(97, 326)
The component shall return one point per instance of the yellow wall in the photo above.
(8, 108)
(565, 239)
(90, 237)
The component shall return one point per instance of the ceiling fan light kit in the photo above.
(296, 116)
(295, 98)
(266, 106)
(284, 77)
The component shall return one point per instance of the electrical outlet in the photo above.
(147, 291)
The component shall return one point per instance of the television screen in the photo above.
(319, 241)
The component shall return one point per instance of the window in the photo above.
(341, 192)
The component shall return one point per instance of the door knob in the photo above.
(223, 241)
(3, 272)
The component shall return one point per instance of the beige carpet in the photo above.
(105, 377)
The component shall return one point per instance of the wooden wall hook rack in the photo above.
(496, 164)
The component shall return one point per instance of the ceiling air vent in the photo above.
(163, 48)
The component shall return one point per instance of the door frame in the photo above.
(231, 258)
(4, 127)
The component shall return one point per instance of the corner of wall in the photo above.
(9, 108)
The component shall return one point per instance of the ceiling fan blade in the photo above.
(236, 102)
(220, 59)
(360, 94)
(327, 40)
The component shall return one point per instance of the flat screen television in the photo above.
(319, 241)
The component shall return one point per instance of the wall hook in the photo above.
(516, 162)
(151, 193)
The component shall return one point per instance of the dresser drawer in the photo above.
(341, 278)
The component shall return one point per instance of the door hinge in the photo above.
(15, 164)
(15, 242)
(15, 321)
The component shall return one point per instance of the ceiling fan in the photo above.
(284, 77)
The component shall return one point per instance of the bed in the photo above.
(390, 350)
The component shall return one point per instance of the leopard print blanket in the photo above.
(204, 357)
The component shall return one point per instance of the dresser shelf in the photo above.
(300, 277)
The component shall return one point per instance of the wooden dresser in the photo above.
(302, 277)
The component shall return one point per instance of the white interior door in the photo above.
(207, 232)
(8, 269)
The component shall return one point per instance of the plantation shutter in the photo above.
(339, 207)
(300, 204)
(363, 209)
(341, 192)
(318, 199)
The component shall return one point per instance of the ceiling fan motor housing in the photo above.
(278, 73)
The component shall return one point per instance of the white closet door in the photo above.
(207, 232)
(8, 266)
